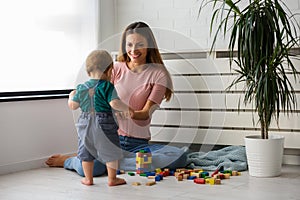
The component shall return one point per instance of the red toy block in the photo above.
(199, 180)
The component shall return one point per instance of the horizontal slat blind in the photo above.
(202, 111)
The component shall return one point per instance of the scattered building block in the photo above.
(150, 183)
(192, 177)
(158, 178)
(180, 177)
(211, 181)
(195, 174)
(131, 173)
(204, 174)
(136, 183)
(185, 176)
(217, 181)
(234, 173)
(199, 180)
(227, 176)
(221, 176)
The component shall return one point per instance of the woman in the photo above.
(142, 82)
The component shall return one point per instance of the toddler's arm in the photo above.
(118, 105)
(73, 105)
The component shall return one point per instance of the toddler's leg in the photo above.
(88, 172)
(113, 180)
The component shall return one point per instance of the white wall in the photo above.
(33, 130)
(30, 131)
(179, 16)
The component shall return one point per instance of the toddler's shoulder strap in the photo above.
(91, 94)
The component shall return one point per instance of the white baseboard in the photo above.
(291, 159)
(22, 166)
(25, 165)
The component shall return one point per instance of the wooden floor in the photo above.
(61, 184)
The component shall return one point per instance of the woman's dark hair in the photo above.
(153, 54)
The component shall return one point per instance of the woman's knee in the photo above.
(99, 168)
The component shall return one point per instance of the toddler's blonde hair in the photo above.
(99, 60)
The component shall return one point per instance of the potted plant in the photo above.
(262, 35)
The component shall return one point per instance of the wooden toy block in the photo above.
(191, 177)
(180, 169)
(217, 176)
(211, 181)
(234, 173)
(166, 172)
(227, 172)
(177, 174)
(136, 183)
(143, 174)
(157, 170)
(227, 176)
(195, 174)
(151, 177)
(221, 176)
(199, 180)
(163, 173)
(204, 174)
(158, 178)
(171, 173)
(131, 173)
(150, 183)
(179, 178)
(150, 174)
(217, 181)
(185, 176)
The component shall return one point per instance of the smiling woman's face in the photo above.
(136, 48)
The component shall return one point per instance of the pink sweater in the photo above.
(135, 89)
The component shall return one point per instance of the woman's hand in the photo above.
(146, 112)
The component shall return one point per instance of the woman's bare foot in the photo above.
(116, 181)
(57, 160)
(87, 182)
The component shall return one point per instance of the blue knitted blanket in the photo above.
(231, 158)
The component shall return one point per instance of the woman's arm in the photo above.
(146, 112)
(73, 105)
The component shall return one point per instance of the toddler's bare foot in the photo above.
(116, 181)
(57, 160)
(87, 182)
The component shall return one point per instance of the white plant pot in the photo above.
(264, 156)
